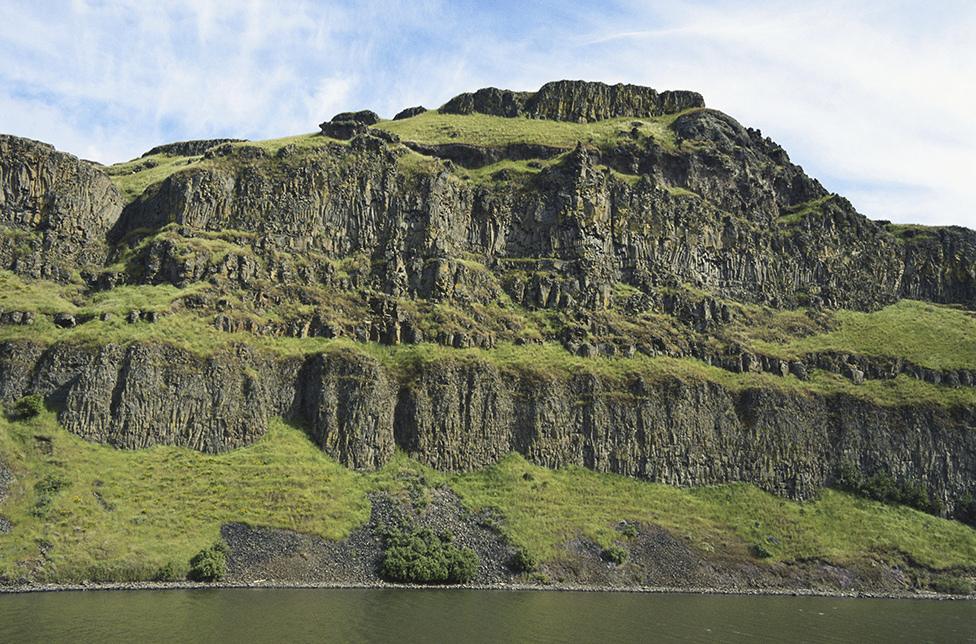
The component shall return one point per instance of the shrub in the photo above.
(952, 586)
(210, 564)
(759, 551)
(614, 554)
(628, 530)
(47, 489)
(27, 407)
(523, 561)
(883, 487)
(966, 511)
(170, 571)
(421, 556)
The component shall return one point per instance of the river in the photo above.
(471, 616)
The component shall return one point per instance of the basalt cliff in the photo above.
(604, 276)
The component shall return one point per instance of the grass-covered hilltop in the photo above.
(591, 334)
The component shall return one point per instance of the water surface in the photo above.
(471, 616)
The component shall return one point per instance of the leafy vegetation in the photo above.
(614, 554)
(27, 407)
(424, 557)
(952, 585)
(210, 564)
(882, 486)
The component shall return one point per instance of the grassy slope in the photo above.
(929, 335)
(431, 128)
(164, 504)
(133, 177)
(549, 507)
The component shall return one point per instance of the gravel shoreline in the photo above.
(261, 584)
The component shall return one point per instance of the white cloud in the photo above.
(872, 98)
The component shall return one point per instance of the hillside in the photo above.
(596, 292)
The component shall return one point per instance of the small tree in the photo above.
(210, 564)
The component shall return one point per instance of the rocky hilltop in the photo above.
(604, 276)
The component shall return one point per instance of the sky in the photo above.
(875, 99)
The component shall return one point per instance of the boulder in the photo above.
(409, 112)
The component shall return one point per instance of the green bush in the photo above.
(210, 564)
(614, 554)
(628, 530)
(27, 407)
(523, 561)
(47, 489)
(423, 557)
(170, 571)
(952, 586)
(759, 551)
(966, 511)
(883, 487)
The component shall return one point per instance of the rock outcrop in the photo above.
(190, 148)
(578, 101)
(55, 211)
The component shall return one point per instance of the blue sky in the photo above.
(876, 99)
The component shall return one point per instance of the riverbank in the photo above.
(583, 588)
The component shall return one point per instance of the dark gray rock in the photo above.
(409, 112)
(55, 211)
(575, 101)
(190, 148)
(64, 320)
(366, 117)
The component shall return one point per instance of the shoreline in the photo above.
(580, 588)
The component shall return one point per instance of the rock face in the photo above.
(55, 211)
(757, 229)
(579, 101)
(465, 415)
(190, 148)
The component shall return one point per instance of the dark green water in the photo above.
(251, 615)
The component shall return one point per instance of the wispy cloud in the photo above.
(874, 98)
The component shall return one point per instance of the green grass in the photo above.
(546, 508)
(38, 296)
(929, 335)
(904, 232)
(121, 515)
(799, 212)
(432, 128)
(165, 503)
(311, 141)
(133, 177)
